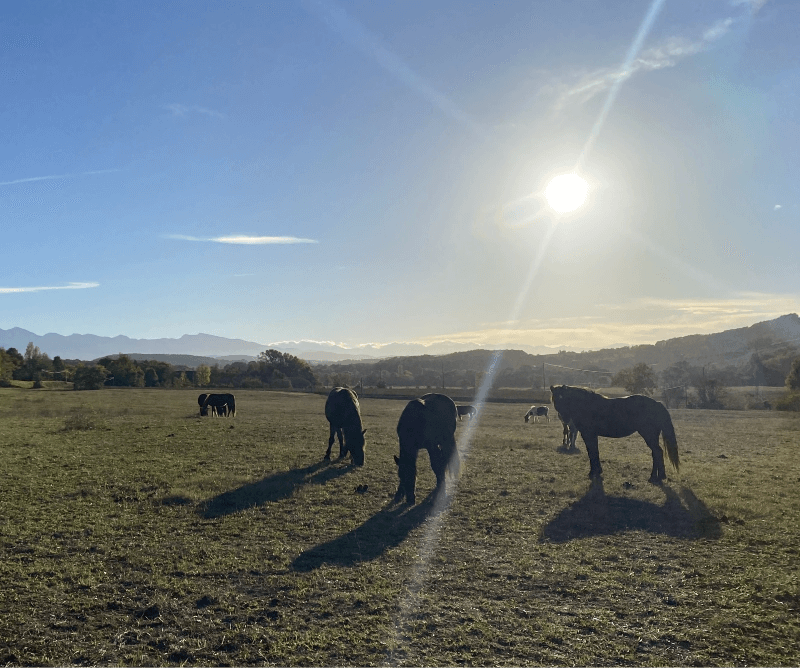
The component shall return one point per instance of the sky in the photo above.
(371, 172)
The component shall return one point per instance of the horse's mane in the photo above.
(583, 390)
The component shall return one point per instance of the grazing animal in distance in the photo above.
(595, 415)
(216, 401)
(344, 415)
(469, 411)
(200, 401)
(536, 412)
(426, 423)
(569, 435)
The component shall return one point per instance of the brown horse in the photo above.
(595, 415)
(430, 423)
(344, 415)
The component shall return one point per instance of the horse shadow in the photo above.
(387, 528)
(682, 515)
(270, 489)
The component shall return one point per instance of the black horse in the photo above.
(200, 401)
(595, 415)
(344, 414)
(536, 412)
(469, 411)
(220, 404)
(430, 423)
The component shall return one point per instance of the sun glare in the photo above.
(566, 192)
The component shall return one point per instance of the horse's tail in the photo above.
(668, 433)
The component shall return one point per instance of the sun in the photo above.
(566, 193)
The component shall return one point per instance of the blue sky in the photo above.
(369, 172)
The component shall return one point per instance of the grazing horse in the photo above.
(469, 411)
(200, 401)
(344, 414)
(215, 402)
(430, 423)
(536, 412)
(595, 415)
(570, 434)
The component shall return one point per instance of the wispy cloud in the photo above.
(777, 206)
(244, 240)
(69, 286)
(665, 54)
(52, 177)
(183, 110)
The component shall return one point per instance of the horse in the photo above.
(469, 411)
(430, 423)
(200, 401)
(595, 415)
(536, 412)
(344, 415)
(569, 435)
(217, 401)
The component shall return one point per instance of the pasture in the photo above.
(133, 531)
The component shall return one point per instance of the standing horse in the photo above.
(595, 415)
(215, 402)
(536, 412)
(430, 423)
(344, 415)
(469, 411)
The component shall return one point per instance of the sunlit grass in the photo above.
(161, 538)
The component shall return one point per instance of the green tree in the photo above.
(793, 378)
(90, 377)
(150, 377)
(202, 375)
(639, 379)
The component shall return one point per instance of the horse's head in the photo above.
(407, 472)
(204, 411)
(356, 447)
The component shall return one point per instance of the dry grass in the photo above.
(159, 538)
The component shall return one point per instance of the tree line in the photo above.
(272, 369)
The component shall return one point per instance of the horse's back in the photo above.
(342, 405)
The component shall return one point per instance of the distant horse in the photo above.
(430, 423)
(595, 415)
(536, 412)
(469, 411)
(215, 402)
(569, 435)
(344, 415)
(200, 401)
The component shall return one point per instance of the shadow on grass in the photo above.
(387, 528)
(682, 515)
(272, 488)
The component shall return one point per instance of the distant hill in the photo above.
(189, 361)
(734, 347)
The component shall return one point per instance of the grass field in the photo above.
(134, 532)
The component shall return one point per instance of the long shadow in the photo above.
(272, 488)
(387, 528)
(597, 514)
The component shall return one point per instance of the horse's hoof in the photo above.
(327, 456)
(411, 500)
(398, 497)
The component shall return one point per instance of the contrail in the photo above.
(56, 177)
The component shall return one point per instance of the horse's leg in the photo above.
(330, 443)
(658, 473)
(595, 470)
(342, 449)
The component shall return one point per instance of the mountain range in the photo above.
(91, 346)
(731, 346)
